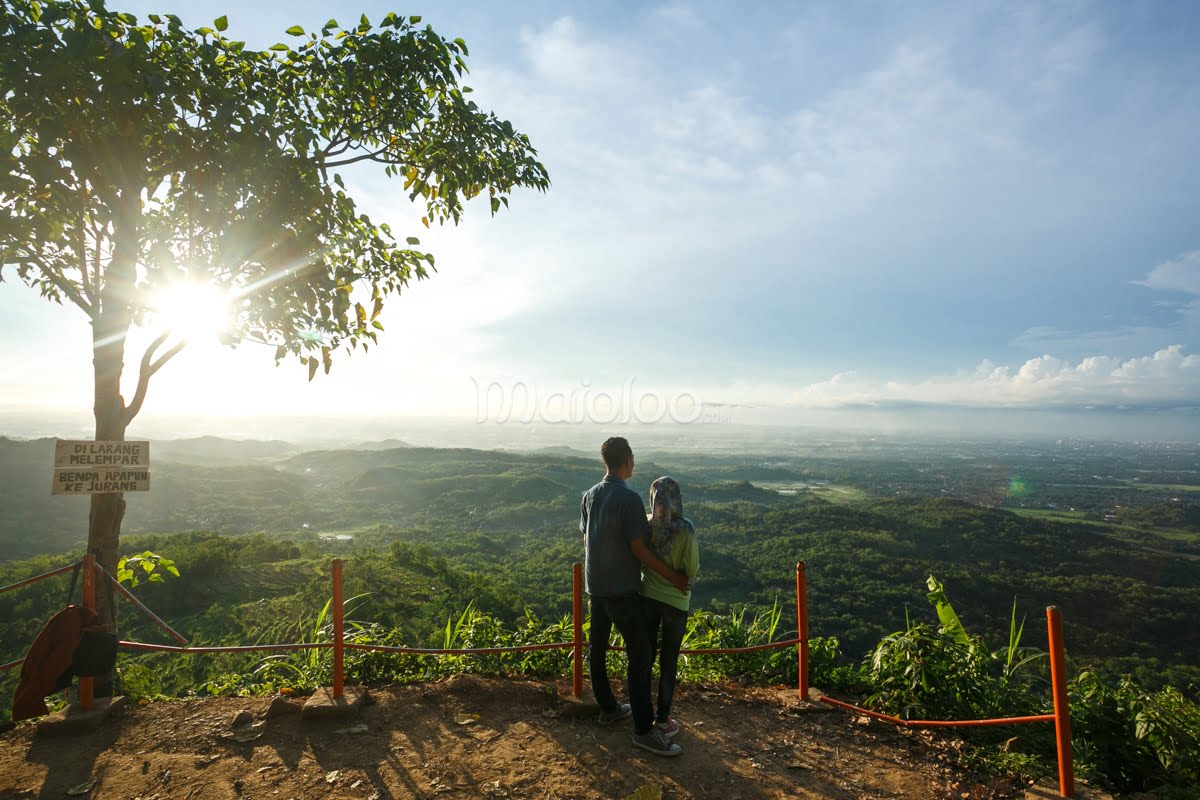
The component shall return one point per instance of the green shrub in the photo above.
(923, 674)
(1134, 740)
(1124, 736)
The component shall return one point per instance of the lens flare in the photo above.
(192, 312)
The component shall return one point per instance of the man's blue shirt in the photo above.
(612, 516)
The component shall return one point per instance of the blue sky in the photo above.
(799, 207)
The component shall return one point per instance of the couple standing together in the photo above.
(638, 570)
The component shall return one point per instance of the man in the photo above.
(614, 527)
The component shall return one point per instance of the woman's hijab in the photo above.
(666, 515)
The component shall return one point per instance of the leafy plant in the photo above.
(922, 673)
(1124, 736)
(1017, 661)
(145, 566)
(951, 626)
(949, 674)
(312, 667)
(1135, 740)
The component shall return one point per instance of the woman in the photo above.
(673, 538)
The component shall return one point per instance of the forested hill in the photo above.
(239, 487)
(502, 527)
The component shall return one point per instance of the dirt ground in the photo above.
(529, 741)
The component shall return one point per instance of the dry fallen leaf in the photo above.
(466, 719)
(647, 791)
(331, 777)
(81, 789)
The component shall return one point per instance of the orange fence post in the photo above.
(86, 685)
(802, 627)
(1062, 711)
(577, 616)
(338, 638)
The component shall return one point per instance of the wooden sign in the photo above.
(100, 481)
(101, 454)
(86, 467)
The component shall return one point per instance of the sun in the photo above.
(191, 312)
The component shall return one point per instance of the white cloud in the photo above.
(1167, 378)
(1051, 337)
(1049, 45)
(1180, 274)
(911, 117)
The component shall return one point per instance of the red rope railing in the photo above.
(460, 651)
(728, 651)
(140, 606)
(937, 723)
(1061, 715)
(37, 578)
(221, 649)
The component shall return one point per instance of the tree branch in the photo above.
(146, 369)
(363, 157)
(64, 286)
(336, 148)
(167, 356)
(99, 245)
(81, 244)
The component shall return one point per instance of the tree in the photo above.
(141, 156)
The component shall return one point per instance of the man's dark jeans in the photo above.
(673, 624)
(628, 614)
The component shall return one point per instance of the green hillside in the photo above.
(512, 519)
(475, 548)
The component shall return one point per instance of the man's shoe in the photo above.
(655, 742)
(622, 711)
(668, 728)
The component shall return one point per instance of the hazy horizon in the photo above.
(725, 433)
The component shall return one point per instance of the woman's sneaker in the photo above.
(622, 711)
(655, 742)
(668, 728)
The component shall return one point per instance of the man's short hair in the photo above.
(615, 451)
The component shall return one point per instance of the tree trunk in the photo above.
(110, 327)
(104, 521)
(107, 510)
